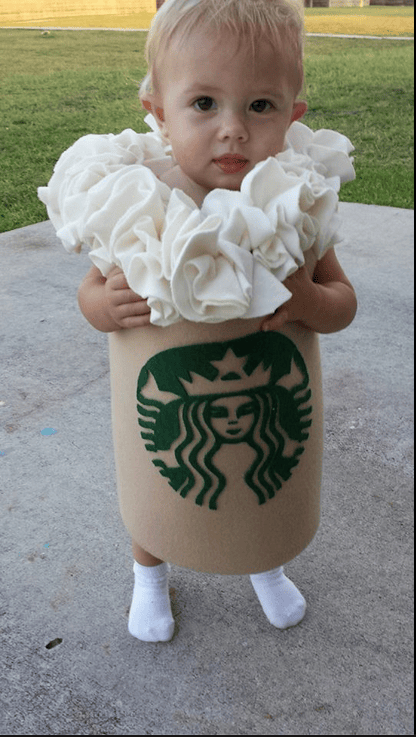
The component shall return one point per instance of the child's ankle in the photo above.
(144, 558)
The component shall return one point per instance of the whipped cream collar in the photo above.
(225, 260)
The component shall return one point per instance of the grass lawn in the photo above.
(55, 88)
(135, 20)
(364, 89)
(373, 20)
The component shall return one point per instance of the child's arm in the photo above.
(325, 302)
(109, 304)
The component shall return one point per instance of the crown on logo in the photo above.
(231, 377)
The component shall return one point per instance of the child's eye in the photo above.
(204, 104)
(261, 106)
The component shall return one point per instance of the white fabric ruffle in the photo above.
(225, 260)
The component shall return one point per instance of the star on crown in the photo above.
(231, 377)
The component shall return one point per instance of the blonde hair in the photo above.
(276, 20)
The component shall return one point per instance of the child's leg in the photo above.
(282, 603)
(143, 557)
(150, 617)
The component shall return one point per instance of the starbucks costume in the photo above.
(217, 426)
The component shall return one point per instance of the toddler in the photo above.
(212, 240)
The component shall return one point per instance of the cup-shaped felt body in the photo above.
(218, 442)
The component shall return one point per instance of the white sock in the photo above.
(150, 617)
(283, 605)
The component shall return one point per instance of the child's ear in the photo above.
(299, 109)
(152, 105)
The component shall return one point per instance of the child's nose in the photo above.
(233, 126)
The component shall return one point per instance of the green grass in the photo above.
(56, 88)
(372, 20)
(371, 10)
(364, 89)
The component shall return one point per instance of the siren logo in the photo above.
(195, 399)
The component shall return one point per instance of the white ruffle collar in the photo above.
(225, 260)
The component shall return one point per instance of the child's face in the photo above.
(223, 112)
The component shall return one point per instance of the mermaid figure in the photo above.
(224, 394)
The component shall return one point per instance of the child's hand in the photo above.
(301, 307)
(324, 302)
(125, 307)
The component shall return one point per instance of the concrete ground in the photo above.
(66, 563)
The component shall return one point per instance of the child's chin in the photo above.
(233, 183)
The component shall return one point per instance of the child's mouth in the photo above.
(231, 163)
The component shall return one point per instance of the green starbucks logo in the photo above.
(195, 399)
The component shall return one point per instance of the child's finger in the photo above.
(122, 295)
(127, 295)
(131, 315)
(276, 321)
(140, 306)
(131, 309)
(138, 321)
(116, 280)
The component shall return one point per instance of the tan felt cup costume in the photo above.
(217, 425)
(218, 442)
